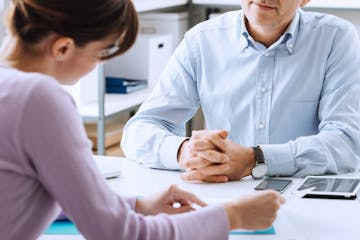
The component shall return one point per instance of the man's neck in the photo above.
(266, 35)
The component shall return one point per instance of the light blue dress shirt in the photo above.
(297, 99)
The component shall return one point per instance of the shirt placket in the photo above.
(265, 75)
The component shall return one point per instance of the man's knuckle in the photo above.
(193, 144)
(188, 164)
(172, 187)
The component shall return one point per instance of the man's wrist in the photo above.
(260, 169)
(251, 161)
(181, 149)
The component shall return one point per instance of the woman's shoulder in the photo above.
(31, 85)
(45, 86)
(33, 92)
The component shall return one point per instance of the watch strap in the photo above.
(259, 155)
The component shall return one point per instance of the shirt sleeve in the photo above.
(163, 116)
(336, 148)
(58, 150)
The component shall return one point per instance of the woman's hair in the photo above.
(84, 21)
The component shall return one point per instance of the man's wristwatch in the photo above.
(260, 169)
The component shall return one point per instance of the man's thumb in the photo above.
(223, 133)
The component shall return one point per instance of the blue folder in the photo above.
(127, 89)
(123, 82)
(66, 227)
(63, 227)
(268, 231)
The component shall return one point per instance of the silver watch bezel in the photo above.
(259, 171)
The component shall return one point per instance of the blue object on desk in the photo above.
(63, 227)
(123, 82)
(66, 227)
(270, 230)
(126, 89)
(123, 85)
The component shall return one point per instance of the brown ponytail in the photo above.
(84, 21)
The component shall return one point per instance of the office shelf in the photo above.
(111, 104)
(114, 103)
(119, 102)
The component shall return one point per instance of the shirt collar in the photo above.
(289, 37)
(244, 36)
(291, 33)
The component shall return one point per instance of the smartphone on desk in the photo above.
(274, 184)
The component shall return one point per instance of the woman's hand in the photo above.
(256, 211)
(174, 200)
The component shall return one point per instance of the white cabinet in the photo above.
(86, 90)
(144, 61)
(176, 24)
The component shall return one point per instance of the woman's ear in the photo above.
(62, 47)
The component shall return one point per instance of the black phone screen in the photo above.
(274, 184)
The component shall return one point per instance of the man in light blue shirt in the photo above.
(271, 76)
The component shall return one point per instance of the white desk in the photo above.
(298, 219)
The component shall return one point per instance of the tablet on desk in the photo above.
(330, 187)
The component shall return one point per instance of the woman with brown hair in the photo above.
(45, 157)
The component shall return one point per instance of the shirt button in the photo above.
(261, 126)
(267, 54)
(290, 45)
(263, 90)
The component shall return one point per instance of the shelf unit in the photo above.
(111, 104)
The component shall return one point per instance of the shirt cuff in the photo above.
(279, 159)
(169, 151)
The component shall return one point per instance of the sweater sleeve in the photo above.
(58, 150)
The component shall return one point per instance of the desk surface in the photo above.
(298, 219)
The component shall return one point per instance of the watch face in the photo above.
(259, 171)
